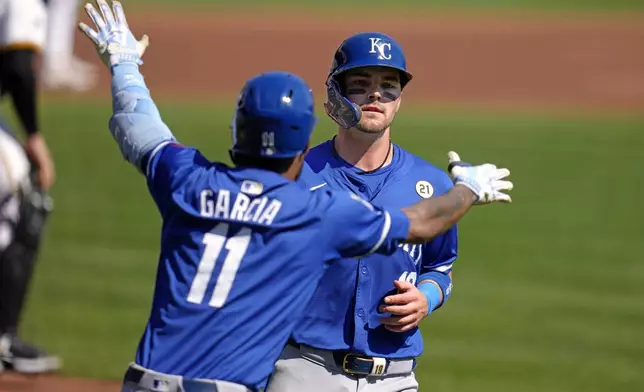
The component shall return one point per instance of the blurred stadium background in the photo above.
(549, 291)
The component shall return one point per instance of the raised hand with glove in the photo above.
(135, 124)
(486, 181)
(114, 41)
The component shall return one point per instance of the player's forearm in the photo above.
(136, 124)
(431, 217)
(19, 80)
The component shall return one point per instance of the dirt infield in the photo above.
(581, 65)
(528, 63)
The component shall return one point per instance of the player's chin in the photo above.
(372, 125)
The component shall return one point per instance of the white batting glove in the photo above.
(486, 181)
(114, 41)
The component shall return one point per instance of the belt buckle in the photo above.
(357, 357)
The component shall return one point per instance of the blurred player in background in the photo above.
(243, 247)
(62, 70)
(22, 35)
(25, 176)
(23, 212)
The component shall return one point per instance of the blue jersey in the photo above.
(344, 311)
(242, 251)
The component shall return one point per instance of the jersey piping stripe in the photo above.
(154, 152)
(385, 232)
(443, 268)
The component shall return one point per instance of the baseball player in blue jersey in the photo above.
(243, 247)
(361, 328)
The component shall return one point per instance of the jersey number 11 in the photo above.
(215, 241)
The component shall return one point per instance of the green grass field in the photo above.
(548, 291)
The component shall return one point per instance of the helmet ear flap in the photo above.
(344, 112)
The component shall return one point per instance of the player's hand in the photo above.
(38, 152)
(486, 181)
(409, 307)
(113, 39)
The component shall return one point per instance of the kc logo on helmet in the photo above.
(382, 48)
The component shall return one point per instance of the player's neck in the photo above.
(365, 151)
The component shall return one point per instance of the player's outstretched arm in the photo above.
(482, 184)
(135, 124)
(355, 232)
(431, 217)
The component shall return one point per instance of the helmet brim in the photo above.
(405, 77)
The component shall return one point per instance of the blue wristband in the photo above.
(433, 295)
(429, 289)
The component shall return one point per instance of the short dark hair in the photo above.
(277, 165)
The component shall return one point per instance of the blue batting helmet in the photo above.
(274, 117)
(371, 49)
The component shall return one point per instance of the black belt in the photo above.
(356, 365)
(134, 376)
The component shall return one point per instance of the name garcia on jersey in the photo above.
(260, 210)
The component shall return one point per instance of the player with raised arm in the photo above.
(243, 247)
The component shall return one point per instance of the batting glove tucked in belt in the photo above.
(114, 41)
(486, 181)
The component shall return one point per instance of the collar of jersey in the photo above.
(353, 170)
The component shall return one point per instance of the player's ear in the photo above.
(299, 158)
